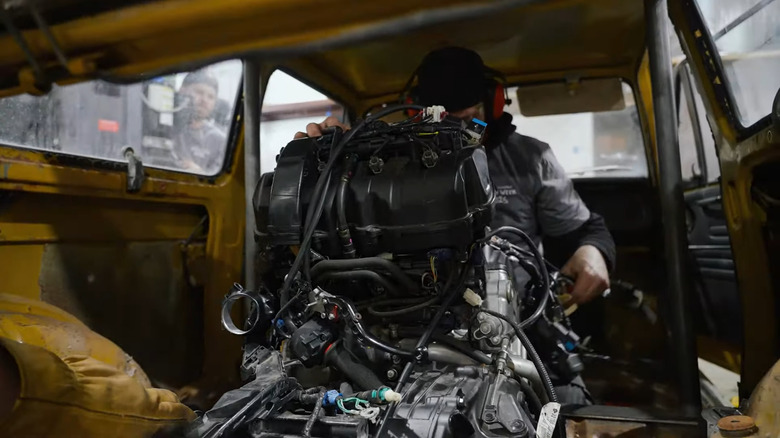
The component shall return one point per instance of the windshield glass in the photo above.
(177, 122)
(746, 33)
(590, 144)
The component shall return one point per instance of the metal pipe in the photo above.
(524, 368)
(679, 328)
(252, 93)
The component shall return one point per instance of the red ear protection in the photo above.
(499, 100)
(410, 100)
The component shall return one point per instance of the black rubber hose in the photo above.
(455, 292)
(533, 398)
(315, 414)
(353, 318)
(540, 264)
(361, 274)
(373, 263)
(302, 254)
(341, 207)
(402, 311)
(424, 339)
(548, 385)
(339, 357)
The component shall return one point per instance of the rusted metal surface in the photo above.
(736, 423)
(136, 295)
(43, 202)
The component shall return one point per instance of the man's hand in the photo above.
(589, 271)
(315, 129)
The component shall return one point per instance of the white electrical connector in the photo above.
(436, 113)
(392, 396)
(472, 298)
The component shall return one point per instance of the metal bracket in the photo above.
(135, 170)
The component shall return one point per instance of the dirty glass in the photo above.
(288, 106)
(591, 144)
(747, 35)
(178, 122)
(689, 158)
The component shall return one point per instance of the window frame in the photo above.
(345, 114)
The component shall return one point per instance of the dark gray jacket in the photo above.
(534, 193)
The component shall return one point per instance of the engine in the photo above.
(388, 306)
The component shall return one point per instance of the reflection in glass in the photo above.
(178, 121)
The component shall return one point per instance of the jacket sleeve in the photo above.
(559, 208)
(593, 232)
(565, 220)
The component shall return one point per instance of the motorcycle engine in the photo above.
(388, 307)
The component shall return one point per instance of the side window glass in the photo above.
(689, 154)
(178, 122)
(288, 106)
(594, 144)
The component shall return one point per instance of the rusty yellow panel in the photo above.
(48, 217)
(47, 200)
(525, 39)
(19, 266)
(163, 33)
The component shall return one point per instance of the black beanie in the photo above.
(453, 77)
(200, 77)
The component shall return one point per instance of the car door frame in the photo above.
(744, 218)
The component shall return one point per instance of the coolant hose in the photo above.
(371, 263)
(339, 357)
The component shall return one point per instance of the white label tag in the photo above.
(546, 426)
(160, 97)
(166, 119)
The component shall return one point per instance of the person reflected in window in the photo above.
(200, 144)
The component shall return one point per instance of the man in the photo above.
(535, 194)
(200, 145)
